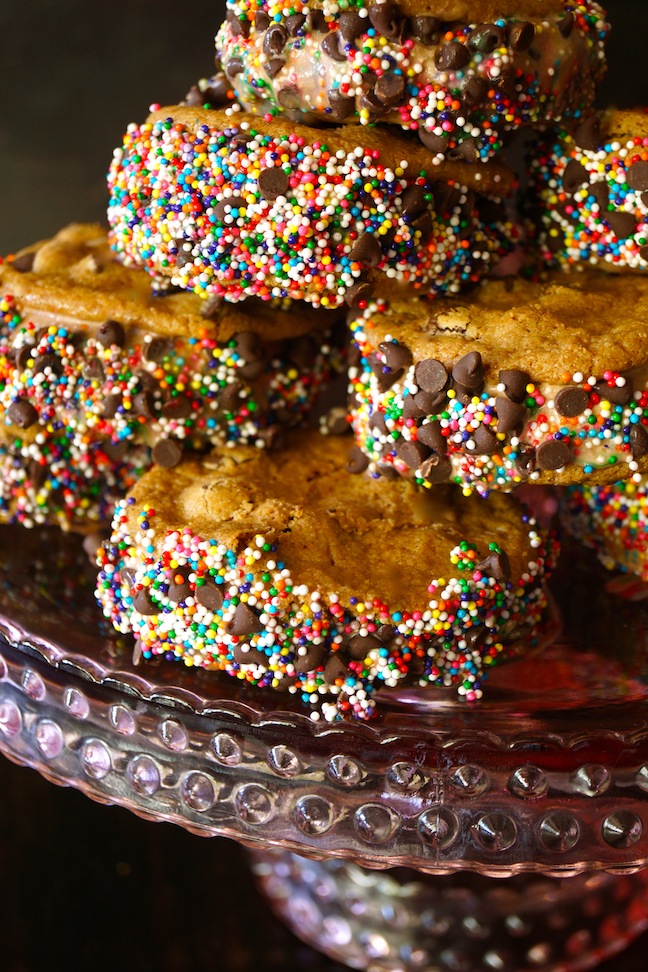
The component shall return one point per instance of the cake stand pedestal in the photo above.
(543, 783)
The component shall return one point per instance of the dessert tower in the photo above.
(345, 163)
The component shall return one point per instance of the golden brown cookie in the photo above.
(461, 75)
(538, 381)
(288, 572)
(227, 204)
(590, 194)
(98, 376)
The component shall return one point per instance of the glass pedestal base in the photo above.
(405, 921)
(544, 782)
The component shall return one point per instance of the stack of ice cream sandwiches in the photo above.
(333, 209)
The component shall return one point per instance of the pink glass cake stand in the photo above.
(543, 783)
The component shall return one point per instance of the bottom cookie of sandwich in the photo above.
(285, 571)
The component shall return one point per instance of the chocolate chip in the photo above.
(475, 91)
(574, 176)
(521, 36)
(23, 355)
(217, 93)
(48, 361)
(510, 415)
(22, 413)
(273, 437)
(225, 206)
(588, 134)
(446, 198)
(386, 377)
(414, 201)
(486, 38)
(622, 224)
(386, 633)
(524, 462)
(359, 646)
(413, 454)
(466, 151)
(566, 24)
(336, 667)
(318, 20)
(555, 241)
(24, 263)
(468, 371)
(637, 177)
(275, 40)
(295, 24)
(371, 103)
(93, 370)
(156, 349)
(387, 19)
(233, 67)
(261, 21)
(211, 307)
(554, 454)
(144, 404)
(571, 401)
(37, 474)
(246, 655)
(390, 88)
(193, 96)
(431, 435)
(452, 56)
(240, 28)
(209, 595)
(167, 453)
(486, 442)
(377, 421)
(424, 29)
(352, 25)
(397, 356)
(357, 461)
(273, 182)
(314, 657)
(431, 375)
(617, 394)
(274, 66)
(437, 144)
(497, 565)
(335, 421)
(423, 224)
(111, 333)
(436, 469)
(366, 249)
(639, 441)
(177, 408)
(143, 602)
(331, 46)
(358, 292)
(601, 193)
(246, 621)
(230, 396)
(248, 346)
(643, 253)
(515, 383)
(341, 105)
(179, 586)
(115, 450)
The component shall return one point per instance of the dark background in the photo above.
(84, 886)
(74, 73)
